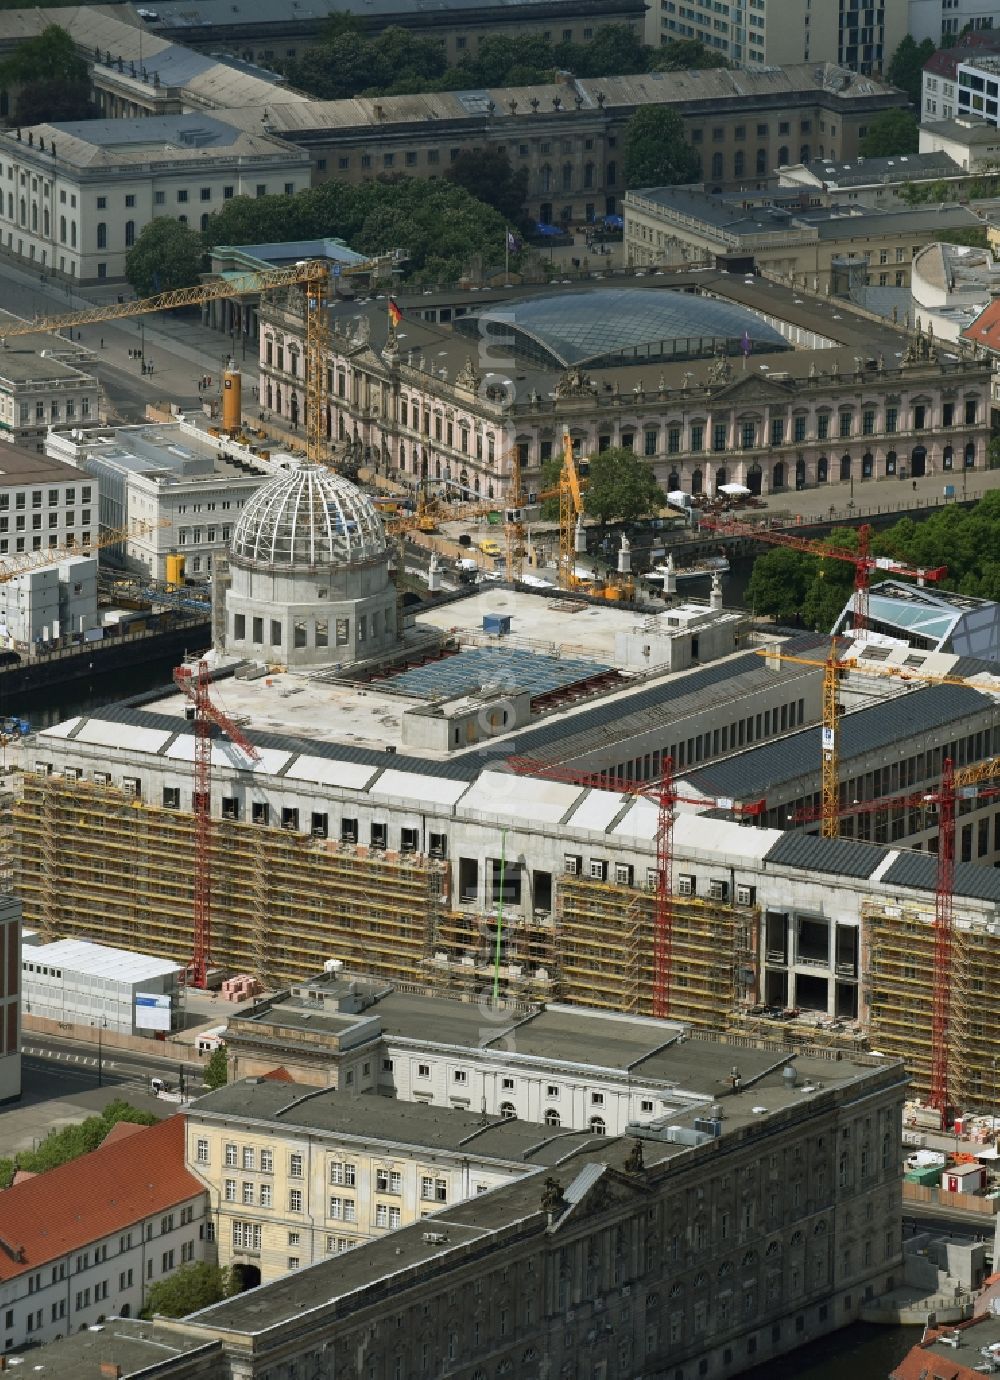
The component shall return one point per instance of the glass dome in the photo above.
(608, 326)
(307, 516)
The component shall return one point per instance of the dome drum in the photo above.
(309, 581)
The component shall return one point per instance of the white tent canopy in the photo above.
(733, 490)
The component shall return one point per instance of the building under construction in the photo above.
(345, 790)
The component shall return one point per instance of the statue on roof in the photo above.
(720, 370)
(468, 376)
(574, 383)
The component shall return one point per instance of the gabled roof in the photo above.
(112, 1188)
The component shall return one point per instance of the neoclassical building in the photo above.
(711, 388)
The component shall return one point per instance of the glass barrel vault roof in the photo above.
(614, 325)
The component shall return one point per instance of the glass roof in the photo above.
(928, 622)
(621, 325)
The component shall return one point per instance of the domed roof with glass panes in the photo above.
(307, 516)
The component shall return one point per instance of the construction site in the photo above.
(525, 795)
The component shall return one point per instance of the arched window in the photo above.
(778, 475)
(822, 470)
(867, 465)
(546, 178)
(783, 156)
(612, 176)
(970, 455)
(739, 163)
(567, 177)
(204, 220)
(102, 234)
(45, 222)
(183, 220)
(552, 1117)
(10, 205)
(597, 1126)
(716, 164)
(804, 154)
(948, 458)
(890, 462)
(62, 229)
(588, 175)
(129, 234)
(673, 481)
(507, 1111)
(23, 210)
(761, 162)
(697, 482)
(72, 234)
(34, 215)
(845, 467)
(720, 478)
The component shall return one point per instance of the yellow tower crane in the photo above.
(834, 669)
(111, 536)
(311, 275)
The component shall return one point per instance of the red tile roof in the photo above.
(279, 1075)
(985, 330)
(944, 63)
(120, 1130)
(110, 1189)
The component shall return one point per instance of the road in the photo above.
(85, 1061)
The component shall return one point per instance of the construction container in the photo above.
(175, 570)
(929, 1175)
(496, 624)
(964, 1178)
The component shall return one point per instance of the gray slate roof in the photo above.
(919, 870)
(841, 857)
(753, 773)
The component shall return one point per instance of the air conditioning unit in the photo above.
(685, 886)
(435, 1238)
(571, 865)
(746, 895)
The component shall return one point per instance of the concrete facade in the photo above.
(78, 195)
(44, 503)
(49, 603)
(776, 32)
(182, 489)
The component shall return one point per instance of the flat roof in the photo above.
(99, 960)
(175, 452)
(416, 1125)
(138, 1347)
(19, 466)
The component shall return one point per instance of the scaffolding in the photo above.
(122, 874)
(605, 952)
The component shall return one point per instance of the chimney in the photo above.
(111, 1370)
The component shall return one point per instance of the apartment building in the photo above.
(776, 32)
(941, 82)
(940, 20)
(75, 197)
(85, 1241)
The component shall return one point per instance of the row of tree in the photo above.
(348, 62)
(69, 1142)
(802, 590)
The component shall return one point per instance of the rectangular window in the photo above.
(295, 1166)
(891, 419)
(201, 1152)
(823, 426)
(777, 430)
(295, 1200)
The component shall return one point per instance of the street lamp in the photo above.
(101, 1027)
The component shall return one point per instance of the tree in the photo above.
(686, 54)
(166, 255)
(778, 584)
(974, 236)
(890, 134)
(41, 102)
(191, 1287)
(69, 1142)
(489, 177)
(50, 56)
(906, 66)
(621, 487)
(216, 1073)
(656, 151)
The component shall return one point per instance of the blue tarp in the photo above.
(614, 222)
(542, 229)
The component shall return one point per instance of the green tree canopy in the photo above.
(974, 235)
(489, 177)
(686, 54)
(69, 1142)
(191, 1287)
(621, 487)
(906, 66)
(216, 1073)
(657, 153)
(39, 102)
(890, 134)
(167, 255)
(49, 56)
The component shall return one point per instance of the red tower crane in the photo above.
(964, 783)
(663, 793)
(194, 681)
(864, 563)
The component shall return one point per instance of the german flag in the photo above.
(395, 315)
